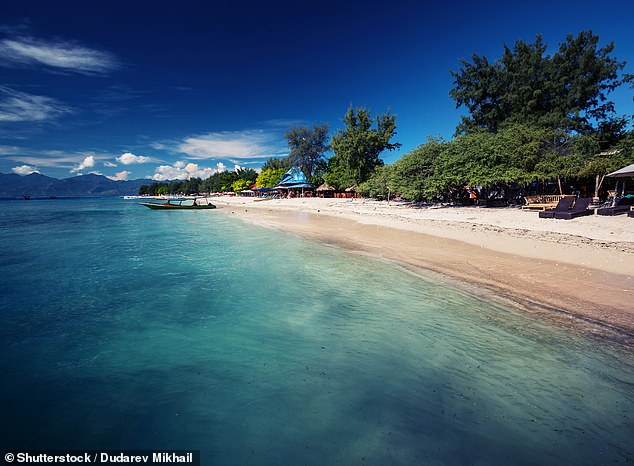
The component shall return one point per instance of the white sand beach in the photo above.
(583, 267)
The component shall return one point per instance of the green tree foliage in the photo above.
(598, 164)
(248, 174)
(307, 147)
(358, 146)
(413, 174)
(514, 156)
(270, 178)
(566, 91)
(379, 185)
(220, 182)
(240, 185)
(275, 163)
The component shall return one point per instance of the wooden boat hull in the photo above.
(156, 206)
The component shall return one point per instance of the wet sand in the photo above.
(583, 268)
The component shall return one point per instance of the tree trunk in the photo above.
(561, 191)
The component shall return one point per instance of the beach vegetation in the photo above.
(240, 185)
(536, 123)
(567, 90)
(270, 178)
(307, 148)
(276, 162)
(379, 185)
(219, 182)
(504, 165)
(357, 147)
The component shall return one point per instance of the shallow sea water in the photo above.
(123, 327)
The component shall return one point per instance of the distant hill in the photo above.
(14, 186)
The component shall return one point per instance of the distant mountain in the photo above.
(14, 186)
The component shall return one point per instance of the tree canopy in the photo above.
(269, 178)
(566, 91)
(358, 146)
(307, 147)
(513, 160)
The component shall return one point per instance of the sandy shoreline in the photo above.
(582, 267)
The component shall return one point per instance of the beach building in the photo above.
(294, 183)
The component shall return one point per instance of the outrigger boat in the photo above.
(174, 204)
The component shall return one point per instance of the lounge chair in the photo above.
(564, 205)
(579, 209)
(621, 206)
(543, 202)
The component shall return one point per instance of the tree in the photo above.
(240, 185)
(357, 147)
(412, 173)
(275, 163)
(248, 174)
(220, 182)
(566, 91)
(379, 185)
(599, 164)
(307, 147)
(270, 178)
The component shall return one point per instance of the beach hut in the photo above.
(325, 190)
(625, 172)
(293, 180)
(351, 191)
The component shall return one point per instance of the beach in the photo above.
(309, 330)
(582, 269)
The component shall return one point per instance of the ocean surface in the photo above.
(123, 327)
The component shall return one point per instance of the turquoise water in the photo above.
(123, 327)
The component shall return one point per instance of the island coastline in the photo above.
(581, 269)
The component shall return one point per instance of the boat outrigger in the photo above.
(174, 204)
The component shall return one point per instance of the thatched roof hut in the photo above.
(325, 187)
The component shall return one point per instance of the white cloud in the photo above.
(20, 106)
(129, 159)
(63, 55)
(198, 172)
(184, 171)
(109, 164)
(248, 144)
(24, 170)
(120, 176)
(88, 162)
(168, 172)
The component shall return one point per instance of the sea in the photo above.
(128, 328)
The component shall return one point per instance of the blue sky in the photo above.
(167, 90)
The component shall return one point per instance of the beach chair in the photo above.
(579, 209)
(631, 212)
(564, 205)
(621, 206)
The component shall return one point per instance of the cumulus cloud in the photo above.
(183, 171)
(88, 162)
(109, 164)
(64, 55)
(20, 106)
(24, 170)
(129, 159)
(120, 176)
(248, 144)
